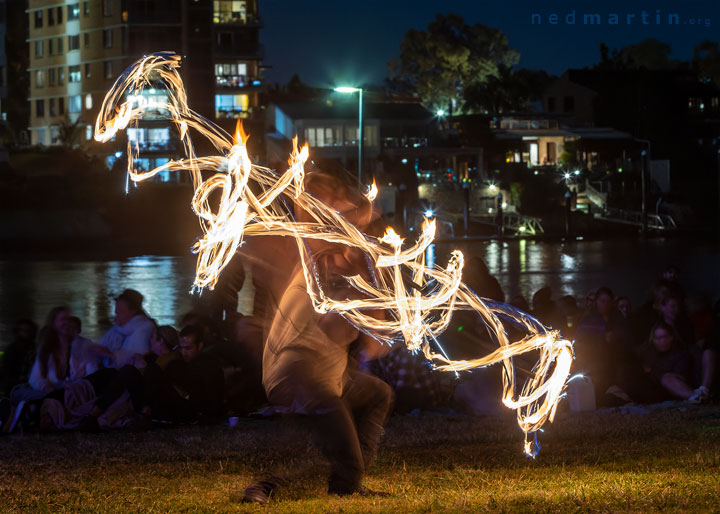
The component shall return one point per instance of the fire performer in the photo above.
(306, 367)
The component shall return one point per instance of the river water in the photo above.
(29, 288)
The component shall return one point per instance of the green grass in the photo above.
(663, 461)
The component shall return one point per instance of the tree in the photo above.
(706, 58)
(649, 54)
(440, 64)
(70, 132)
(512, 90)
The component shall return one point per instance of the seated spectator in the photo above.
(673, 313)
(667, 363)
(546, 310)
(572, 313)
(602, 343)
(130, 378)
(18, 358)
(131, 333)
(186, 390)
(63, 356)
(623, 306)
(710, 350)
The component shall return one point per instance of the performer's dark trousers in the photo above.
(348, 428)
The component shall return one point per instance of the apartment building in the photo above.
(79, 48)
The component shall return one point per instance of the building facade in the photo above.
(79, 48)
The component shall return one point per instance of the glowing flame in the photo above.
(372, 193)
(415, 315)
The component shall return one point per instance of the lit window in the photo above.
(54, 135)
(73, 43)
(229, 11)
(108, 69)
(86, 8)
(38, 19)
(88, 101)
(51, 107)
(88, 130)
(61, 75)
(40, 78)
(73, 12)
(87, 70)
(231, 74)
(231, 106)
(75, 104)
(74, 73)
(38, 48)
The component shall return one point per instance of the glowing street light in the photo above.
(350, 90)
(492, 187)
(440, 113)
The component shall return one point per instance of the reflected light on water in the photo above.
(30, 289)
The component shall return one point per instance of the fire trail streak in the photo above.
(416, 314)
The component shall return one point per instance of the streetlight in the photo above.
(360, 125)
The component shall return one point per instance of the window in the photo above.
(59, 15)
(40, 108)
(51, 107)
(75, 104)
(73, 43)
(231, 74)
(38, 48)
(38, 19)
(40, 136)
(60, 45)
(107, 7)
(107, 38)
(86, 39)
(108, 70)
(73, 12)
(51, 16)
(229, 11)
(569, 104)
(86, 8)
(52, 78)
(551, 104)
(74, 73)
(88, 101)
(323, 136)
(40, 78)
(225, 40)
(87, 70)
(61, 105)
(54, 135)
(88, 132)
(51, 47)
(231, 106)
(61, 75)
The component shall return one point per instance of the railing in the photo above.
(597, 197)
(519, 223)
(663, 222)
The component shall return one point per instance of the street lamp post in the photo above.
(360, 123)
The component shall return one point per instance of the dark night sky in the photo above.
(350, 42)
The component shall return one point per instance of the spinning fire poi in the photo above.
(418, 301)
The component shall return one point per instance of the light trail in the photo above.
(417, 310)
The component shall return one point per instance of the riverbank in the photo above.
(666, 460)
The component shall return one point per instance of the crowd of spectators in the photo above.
(139, 374)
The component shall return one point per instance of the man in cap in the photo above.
(132, 330)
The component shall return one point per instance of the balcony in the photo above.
(237, 81)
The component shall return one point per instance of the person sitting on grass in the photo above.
(131, 333)
(667, 363)
(18, 358)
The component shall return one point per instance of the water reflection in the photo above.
(29, 289)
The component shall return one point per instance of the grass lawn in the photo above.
(666, 460)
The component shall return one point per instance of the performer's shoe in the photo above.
(262, 490)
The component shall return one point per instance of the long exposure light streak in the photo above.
(418, 301)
